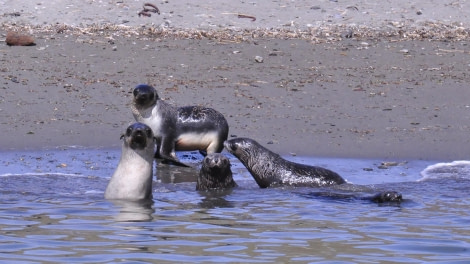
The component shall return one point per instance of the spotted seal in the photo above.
(179, 128)
(215, 173)
(268, 168)
(132, 179)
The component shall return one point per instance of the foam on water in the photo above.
(454, 169)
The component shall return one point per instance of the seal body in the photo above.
(270, 169)
(179, 128)
(215, 173)
(132, 179)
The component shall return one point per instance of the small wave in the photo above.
(455, 169)
(41, 174)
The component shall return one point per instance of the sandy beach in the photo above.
(337, 79)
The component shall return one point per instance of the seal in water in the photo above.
(215, 173)
(132, 179)
(269, 169)
(179, 128)
(384, 197)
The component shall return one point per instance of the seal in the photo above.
(215, 173)
(132, 179)
(269, 169)
(179, 128)
(384, 197)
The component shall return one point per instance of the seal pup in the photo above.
(215, 173)
(270, 169)
(179, 128)
(132, 179)
(384, 197)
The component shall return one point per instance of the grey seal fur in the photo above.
(384, 197)
(269, 169)
(179, 128)
(215, 173)
(132, 179)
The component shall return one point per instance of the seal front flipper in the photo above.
(167, 152)
(176, 162)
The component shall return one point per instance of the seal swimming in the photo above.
(179, 128)
(215, 173)
(269, 169)
(132, 179)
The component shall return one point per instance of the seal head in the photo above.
(270, 169)
(387, 197)
(145, 96)
(132, 179)
(215, 173)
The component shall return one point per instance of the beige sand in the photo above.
(398, 95)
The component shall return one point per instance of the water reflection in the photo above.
(215, 199)
(133, 211)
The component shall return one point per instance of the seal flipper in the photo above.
(170, 160)
(167, 152)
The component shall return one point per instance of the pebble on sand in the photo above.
(15, 39)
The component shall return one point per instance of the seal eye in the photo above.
(148, 132)
(129, 131)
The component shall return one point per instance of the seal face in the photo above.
(179, 128)
(215, 173)
(132, 179)
(270, 169)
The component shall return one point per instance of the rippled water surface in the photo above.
(53, 210)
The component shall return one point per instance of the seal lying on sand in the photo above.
(132, 179)
(269, 169)
(215, 173)
(182, 128)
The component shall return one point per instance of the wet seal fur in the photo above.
(179, 128)
(385, 197)
(269, 169)
(132, 179)
(215, 173)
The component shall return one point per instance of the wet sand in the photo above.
(379, 94)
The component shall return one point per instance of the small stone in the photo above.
(15, 39)
(347, 34)
(259, 59)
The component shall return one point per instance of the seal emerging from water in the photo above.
(215, 173)
(132, 179)
(179, 128)
(270, 169)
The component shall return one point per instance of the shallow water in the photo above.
(53, 211)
